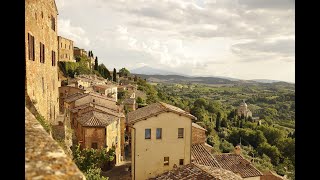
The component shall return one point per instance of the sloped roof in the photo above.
(74, 97)
(198, 126)
(237, 164)
(200, 155)
(96, 119)
(154, 109)
(98, 107)
(195, 171)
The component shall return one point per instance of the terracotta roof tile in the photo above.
(154, 109)
(201, 155)
(99, 107)
(198, 126)
(196, 172)
(237, 164)
(75, 97)
(95, 119)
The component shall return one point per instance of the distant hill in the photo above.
(184, 79)
(153, 71)
(265, 80)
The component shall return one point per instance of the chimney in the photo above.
(237, 150)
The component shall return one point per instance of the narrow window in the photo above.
(53, 58)
(166, 161)
(65, 46)
(180, 162)
(42, 14)
(159, 133)
(94, 145)
(53, 23)
(93, 100)
(42, 57)
(43, 85)
(31, 47)
(180, 132)
(147, 134)
(61, 44)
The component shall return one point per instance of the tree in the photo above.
(123, 72)
(114, 75)
(224, 123)
(139, 100)
(104, 72)
(271, 151)
(226, 147)
(96, 63)
(218, 120)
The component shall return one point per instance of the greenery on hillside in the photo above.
(269, 142)
(82, 66)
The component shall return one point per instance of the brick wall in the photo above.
(198, 136)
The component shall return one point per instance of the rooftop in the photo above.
(74, 97)
(195, 171)
(98, 107)
(200, 155)
(198, 126)
(154, 109)
(96, 119)
(237, 164)
(44, 158)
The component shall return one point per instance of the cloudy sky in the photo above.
(246, 39)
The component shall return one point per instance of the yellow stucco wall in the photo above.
(113, 131)
(148, 154)
(252, 178)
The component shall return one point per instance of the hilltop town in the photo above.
(86, 122)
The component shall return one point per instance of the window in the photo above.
(69, 46)
(94, 145)
(53, 23)
(180, 162)
(147, 134)
(42, 14)
(31, 46)
(53, 58)
(166, 161)
(61, 44)
(42, 53)
(159, 133)
(180, 132)
(65, 46)
(66, 55)
(93, 100)
(43, 85)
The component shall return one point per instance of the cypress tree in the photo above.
(114, 75)
(96, 63)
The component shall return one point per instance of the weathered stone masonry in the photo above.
(42, 77)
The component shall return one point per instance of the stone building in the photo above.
(130, 104)
(65, 91)
(96, 129)
(160, 139)
(65, 49)
(109, 90)
(41, 47)
(79, 52)
(243, 110)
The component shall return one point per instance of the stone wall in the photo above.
(44, 158)
(94, 134)
(65, 47)
(198, 136)
(42, 78)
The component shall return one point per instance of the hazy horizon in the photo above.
(243, 39)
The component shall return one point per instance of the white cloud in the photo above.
(199, 36)
(77, 34)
